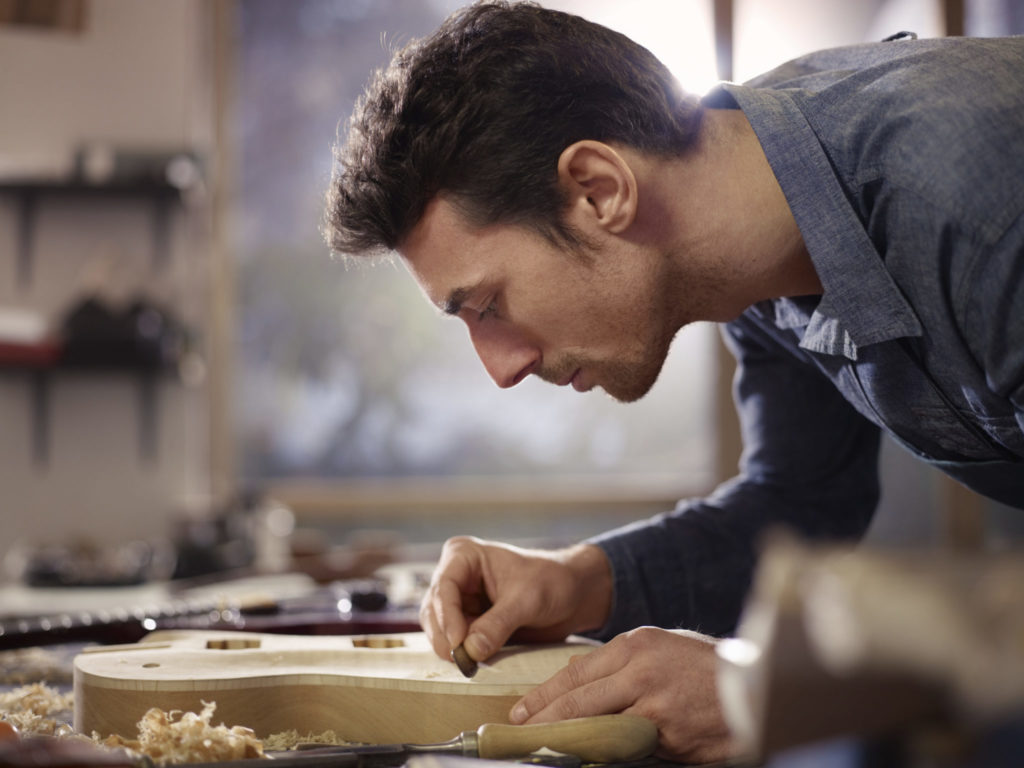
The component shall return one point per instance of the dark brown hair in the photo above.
(480, 112)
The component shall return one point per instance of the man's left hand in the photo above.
(667, 676)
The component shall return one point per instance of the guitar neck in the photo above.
(330, 610)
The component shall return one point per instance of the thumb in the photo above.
(492, 629)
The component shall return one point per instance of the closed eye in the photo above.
(489, 310)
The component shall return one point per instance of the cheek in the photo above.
(611, 311)
(577, 307)
(602, 323)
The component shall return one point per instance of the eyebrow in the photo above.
(453, 305)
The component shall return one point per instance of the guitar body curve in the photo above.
(371, 689)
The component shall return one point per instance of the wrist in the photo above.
(592, 573)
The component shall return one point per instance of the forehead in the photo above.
(450, 258)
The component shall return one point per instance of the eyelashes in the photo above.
(490, 310)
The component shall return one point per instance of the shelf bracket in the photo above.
(148, 401)
(41, 418)
(26, 237)
(161, 232)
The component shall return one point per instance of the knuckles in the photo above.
(642, 638)
(458, 545)
(575, 674)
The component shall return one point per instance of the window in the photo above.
(346, 372)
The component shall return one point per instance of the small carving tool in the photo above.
(467, 665)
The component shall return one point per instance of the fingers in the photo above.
(491, 630)
(587, 686)
(441, 611)
(483, 592)
(666, 676)
(449, 612)
(431, 628)
(458, 605)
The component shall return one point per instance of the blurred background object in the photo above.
(923, 648)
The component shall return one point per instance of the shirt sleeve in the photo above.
(993, 321)
(810, 464)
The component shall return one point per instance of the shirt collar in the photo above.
(861, 304)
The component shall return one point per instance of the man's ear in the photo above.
(601, 186)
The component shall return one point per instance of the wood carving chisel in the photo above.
(599, 739)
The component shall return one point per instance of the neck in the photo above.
(734, 218)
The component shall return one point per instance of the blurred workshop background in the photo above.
(188, 378)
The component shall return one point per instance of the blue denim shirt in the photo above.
(903, 165)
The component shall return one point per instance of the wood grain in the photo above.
(373, 689)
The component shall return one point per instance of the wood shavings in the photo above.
(187, 737)
(37, 709)
(285, 740)
(165, 737)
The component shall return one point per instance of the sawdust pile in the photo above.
(165, 737)
(187, 737)
(37, 709)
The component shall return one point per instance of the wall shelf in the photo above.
(41, 370)
(41, 377)
(29, 192)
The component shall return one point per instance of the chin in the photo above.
(626, 396)
(629, 383)
(629, 391)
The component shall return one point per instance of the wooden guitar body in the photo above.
(373, 689)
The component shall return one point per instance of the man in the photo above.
(854, 218)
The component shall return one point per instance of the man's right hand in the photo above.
(483, 592)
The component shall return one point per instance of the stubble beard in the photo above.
(631, 376)
(629, 382)
(623, 380)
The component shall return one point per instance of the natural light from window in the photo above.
(345, 371)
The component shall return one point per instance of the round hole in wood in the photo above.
(232, 644)
(375, 641)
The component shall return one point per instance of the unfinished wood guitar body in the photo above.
(374, 689)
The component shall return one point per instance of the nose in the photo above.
(507, 354)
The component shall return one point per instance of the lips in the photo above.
(568, 379)
(576, 380)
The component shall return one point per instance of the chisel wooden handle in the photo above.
(600, 739)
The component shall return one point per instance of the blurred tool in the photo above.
(142, 336)
(86, 562)
(839, 642)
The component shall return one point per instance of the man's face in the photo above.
(532, 308)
